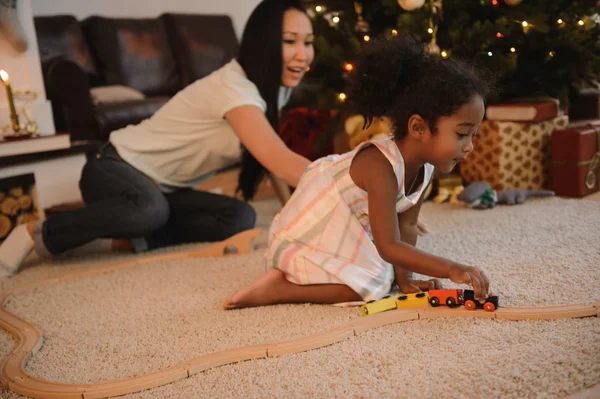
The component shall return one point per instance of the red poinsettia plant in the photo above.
(306, 132)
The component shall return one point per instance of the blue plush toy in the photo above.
(480, 195)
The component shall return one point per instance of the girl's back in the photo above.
(327, 185)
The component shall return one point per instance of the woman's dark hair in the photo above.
(397, 77)
(260, 56)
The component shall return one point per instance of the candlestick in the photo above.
(14, 118)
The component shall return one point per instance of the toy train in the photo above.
(449, 297)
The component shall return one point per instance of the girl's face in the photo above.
(453, 140)
(297, 50)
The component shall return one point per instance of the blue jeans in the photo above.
(121, 202)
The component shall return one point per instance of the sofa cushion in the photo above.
(114, 94)
(60, 36)
(134, 53)
(114, 116)
(201, 43)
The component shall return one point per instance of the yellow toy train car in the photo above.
(410, 301)
(399, 301)
(388, 302)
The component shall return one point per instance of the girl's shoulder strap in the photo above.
(387, 146)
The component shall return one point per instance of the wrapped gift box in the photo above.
(576, 160)
(512, 154)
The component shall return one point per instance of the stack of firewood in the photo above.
(16, 207)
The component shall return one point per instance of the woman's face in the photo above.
(298, 51)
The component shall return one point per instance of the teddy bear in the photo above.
(353, 133)
(379, 128)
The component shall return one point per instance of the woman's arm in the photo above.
(256, 134)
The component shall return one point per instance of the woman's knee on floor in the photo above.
(146, 214)
(243, 217)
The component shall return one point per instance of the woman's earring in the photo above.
(307, 69)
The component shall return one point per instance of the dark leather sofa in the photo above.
(156, 56)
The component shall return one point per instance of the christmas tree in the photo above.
(536, 48)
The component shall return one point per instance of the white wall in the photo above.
(25, 73)
(238, 10)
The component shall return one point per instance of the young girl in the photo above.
(349, 231)
(139, 188)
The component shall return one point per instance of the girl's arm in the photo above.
(408, 223)
(371, 171)
(256, 134)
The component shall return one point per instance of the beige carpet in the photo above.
(132, 322)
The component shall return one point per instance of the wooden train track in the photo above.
(29, 338)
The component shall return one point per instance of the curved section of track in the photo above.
(29, 338)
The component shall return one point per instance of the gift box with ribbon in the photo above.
(576, 159)
(511, 155)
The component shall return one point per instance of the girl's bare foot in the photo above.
(262, 292)
(274, 288)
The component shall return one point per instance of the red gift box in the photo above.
(576, 160)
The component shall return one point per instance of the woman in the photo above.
(139, 189)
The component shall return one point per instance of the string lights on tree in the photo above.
(529, 45)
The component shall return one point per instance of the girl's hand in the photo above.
(411, 286)
(472, 276)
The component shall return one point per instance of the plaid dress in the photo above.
(323, 234)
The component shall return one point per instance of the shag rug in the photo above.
(136, 321)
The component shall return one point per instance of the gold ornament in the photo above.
(410, 5)
(361, 26)
(433, 48)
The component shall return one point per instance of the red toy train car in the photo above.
(453, 297)
(456, 297)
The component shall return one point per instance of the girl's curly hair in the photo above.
(397, 77)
